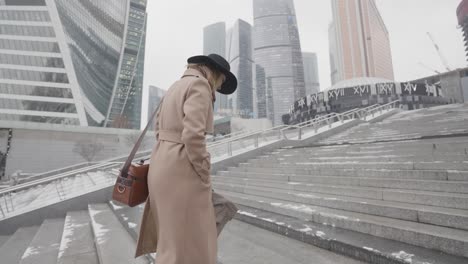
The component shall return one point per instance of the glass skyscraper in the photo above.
(277, 50)
(214, 41)
(239, 54)
(359, 41)
(60, 60)
(311, 76)
(125, 108)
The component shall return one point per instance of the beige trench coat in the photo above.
(179, 220)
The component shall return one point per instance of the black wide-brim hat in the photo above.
(229, 86)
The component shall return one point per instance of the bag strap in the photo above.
(124, 170)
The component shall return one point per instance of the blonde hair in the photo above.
(214, 77)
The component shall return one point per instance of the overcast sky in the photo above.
(175, 32)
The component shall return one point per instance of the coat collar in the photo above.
(193, 72)
(198, 74)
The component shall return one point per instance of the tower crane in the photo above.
(439, 52)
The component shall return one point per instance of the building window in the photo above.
(35, 90)
(34, 31)
(20, 15)
(37, 106)
(23, 2)
(26, 45)
(31, 61)
(33, 76)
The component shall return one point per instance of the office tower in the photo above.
(277, 50)
(214, 41)
(311, 75)
(128, 92)
(239, 56)
(61, 59)
(359, 41)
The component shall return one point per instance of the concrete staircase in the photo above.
(381, 201)
(428, 122)
(95, 236)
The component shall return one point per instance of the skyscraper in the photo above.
(462, 14)
(128, 91)
(277, 50)
(154, 98)
(214, 41)
(311, 76)
(239, 56)
(359, 41)
(60, 59)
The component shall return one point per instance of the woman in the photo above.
(178, 220)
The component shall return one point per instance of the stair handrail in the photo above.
(230, 140)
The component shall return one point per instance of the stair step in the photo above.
(428, 165)
(448, 217)
(248, 244)
(44, 247)
(364, 247)
(344, 157)
(130, 217)
(77, 244)
(374, 173)
(439, 199)
(13, 249)
(114, 244)
(448, 240)
(423, 185)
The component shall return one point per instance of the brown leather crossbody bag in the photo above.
(131, 186)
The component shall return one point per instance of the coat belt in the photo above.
(171, 136)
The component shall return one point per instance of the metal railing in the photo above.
(239, 144)
(9, 200)
(59, 187)
(373, 110)
(314, 125)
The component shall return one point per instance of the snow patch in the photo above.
(320, 234)
(115, 206)
(68, 234)
(132, 225)
(403, 256)
(246, 213)
(302, 208)
(99, 229)
(306, 229)
(306, 195)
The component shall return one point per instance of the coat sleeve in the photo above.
(196, 110)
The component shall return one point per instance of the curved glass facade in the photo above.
(68, 62)
(277, 50)
(125, 107)
(95, 37)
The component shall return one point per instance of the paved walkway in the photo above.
(244, 243)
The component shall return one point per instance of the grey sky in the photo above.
(175, 32)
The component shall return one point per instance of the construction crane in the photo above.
(439, 52)
(429, 68)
